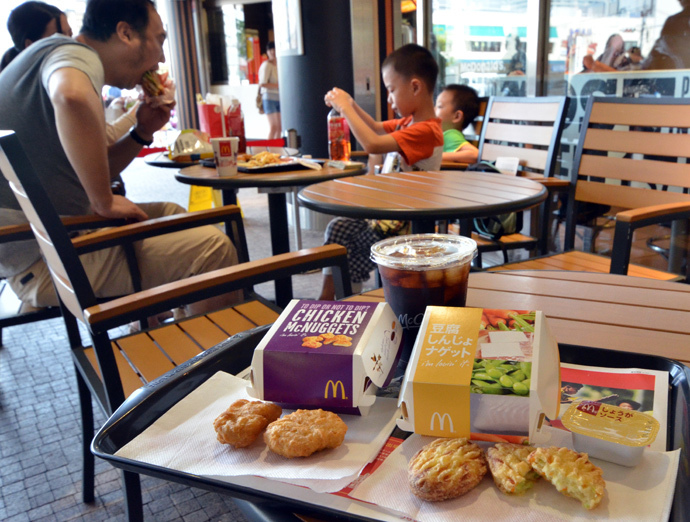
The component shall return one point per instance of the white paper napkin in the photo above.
(641, 493)
(184, 439)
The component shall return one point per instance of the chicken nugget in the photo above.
(304, 432)
(311, 344)
(341, 338)
(343, 343)
(445, 469)
(312, 338)
(241, 424)
(509, 467)
(328, 335)
(571, 472)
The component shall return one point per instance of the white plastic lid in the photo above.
(423, 251)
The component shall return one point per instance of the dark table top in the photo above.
(208, 177)
(423, 195)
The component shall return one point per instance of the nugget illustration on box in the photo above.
(327, 354)
(481, 372)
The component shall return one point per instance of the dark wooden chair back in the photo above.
(527, 128)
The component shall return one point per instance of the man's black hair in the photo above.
(102, 16)
(271, 45)
(411, 61)
(465, 99)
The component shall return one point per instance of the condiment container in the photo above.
(610, 433)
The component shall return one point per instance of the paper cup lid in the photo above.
(423, 251)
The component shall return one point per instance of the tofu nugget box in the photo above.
(327, 354)
(481, 372)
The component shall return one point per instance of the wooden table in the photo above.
(275, 182)
(424, 197)
(615, 312)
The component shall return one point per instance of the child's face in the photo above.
(401, 92)
(445, 108)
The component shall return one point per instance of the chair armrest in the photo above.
(361, 154)
(152, 227)
(122, 310)
(667, 212)
(10, 233)
(453, 165)
(553, 183)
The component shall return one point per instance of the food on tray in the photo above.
(304, 432)
(445, 469)
(241, 424)
(571, 472)
(262, 159)
(509, 467)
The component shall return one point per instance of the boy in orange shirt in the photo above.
(413, 142)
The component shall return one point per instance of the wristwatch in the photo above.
(135, 136)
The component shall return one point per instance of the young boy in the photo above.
(413, 142)
(457, 106)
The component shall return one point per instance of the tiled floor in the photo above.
(40, 462)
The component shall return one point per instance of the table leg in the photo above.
(280, 242)
(229, 196)
(423, 226)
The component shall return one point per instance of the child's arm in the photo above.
(369, 133)
(467, 153)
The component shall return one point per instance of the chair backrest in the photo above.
(68, 273)
(527, 128)
(632, 153)
(476, 126)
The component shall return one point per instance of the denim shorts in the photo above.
(271, 106)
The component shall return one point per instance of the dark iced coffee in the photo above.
(422, 270)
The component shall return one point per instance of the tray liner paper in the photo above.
(184, 439)
(641, 493)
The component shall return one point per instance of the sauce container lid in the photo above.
(611, 423)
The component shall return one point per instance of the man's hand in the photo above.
(338, 99)
(121, 207)
(150, 119)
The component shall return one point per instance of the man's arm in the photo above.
(80, 122)
(369, 133)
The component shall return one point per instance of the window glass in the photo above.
(482, 43)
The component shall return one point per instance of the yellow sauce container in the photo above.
(609, 432)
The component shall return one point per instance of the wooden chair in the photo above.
(116, 363)
(529, 129)
(627, 147)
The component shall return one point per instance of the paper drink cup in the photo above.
(225, 155)
(422, 270)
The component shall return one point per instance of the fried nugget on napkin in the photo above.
(445, 469)
(509, 467)
(304, 432)
(241, 424)
(571, 472)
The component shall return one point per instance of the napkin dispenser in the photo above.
(327, 354)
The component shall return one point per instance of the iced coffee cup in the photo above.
(421, 270)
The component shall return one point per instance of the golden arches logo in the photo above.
(334, 387)
(441, 421)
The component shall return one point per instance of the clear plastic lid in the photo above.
(611, 423)
(423, 251)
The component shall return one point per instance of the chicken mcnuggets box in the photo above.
(480, 371)
(327, 354)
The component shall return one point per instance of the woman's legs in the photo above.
(275, 125)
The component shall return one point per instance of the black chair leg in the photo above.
(133, 501)
(88, 466)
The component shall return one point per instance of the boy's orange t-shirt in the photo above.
(417, 141)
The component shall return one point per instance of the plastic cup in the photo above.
(225, 155)
(422, 270)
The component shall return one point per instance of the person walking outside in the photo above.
(268, 82)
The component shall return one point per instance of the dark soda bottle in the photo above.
(338, 137)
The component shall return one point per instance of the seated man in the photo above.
(51, 99)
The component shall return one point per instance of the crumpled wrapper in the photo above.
(168, 95)
(191, 145)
